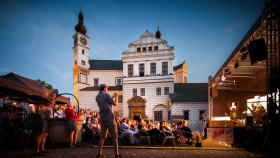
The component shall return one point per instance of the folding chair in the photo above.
(147, 137)
(171, 136)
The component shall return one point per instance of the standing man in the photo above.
(105, 102)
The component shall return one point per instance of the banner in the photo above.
(225, 135)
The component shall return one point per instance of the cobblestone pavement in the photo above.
(208, 149)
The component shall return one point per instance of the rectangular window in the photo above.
(165, 68)
(119, 82)
(166, 90)
(186, 115)
(130, 70)
(141, 70)
(158, 91)
(75, 62)
(120, 99)
(134, 92)
(83, 78)
(158, 115)
(142, 92)
(138, 49)
(83, 62)
(156, 48)
(144, 49)
(96, 82)
(153, 69)
(150, 48)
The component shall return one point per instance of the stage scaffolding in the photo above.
(267, 27)
(271, 17)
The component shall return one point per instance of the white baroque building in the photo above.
(148, 84)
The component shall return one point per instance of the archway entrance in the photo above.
(136, 106)
(137, 115)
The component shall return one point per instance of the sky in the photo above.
(36, 35)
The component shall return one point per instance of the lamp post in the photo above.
(170, 112)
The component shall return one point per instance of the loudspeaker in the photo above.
(257, 50)
(249, 121)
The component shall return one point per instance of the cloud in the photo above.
(235, 25)
(63, 75)
(229, 30)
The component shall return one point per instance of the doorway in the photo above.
(137, 115)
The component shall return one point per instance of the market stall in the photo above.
(13, 116)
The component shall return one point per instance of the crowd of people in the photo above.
(95, 124)
(134, 129)
(129, 128)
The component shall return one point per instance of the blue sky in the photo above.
(36, 35)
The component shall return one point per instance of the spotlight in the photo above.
(244, 50)
(223, 78)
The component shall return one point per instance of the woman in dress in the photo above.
(71, 124)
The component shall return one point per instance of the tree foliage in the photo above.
(47, 85)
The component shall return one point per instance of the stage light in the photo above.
(223, 78)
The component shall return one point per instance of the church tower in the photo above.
(80, 58)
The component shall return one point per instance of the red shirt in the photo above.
(70, 114)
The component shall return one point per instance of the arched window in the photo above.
(83, 51)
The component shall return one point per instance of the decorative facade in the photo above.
(145, 80)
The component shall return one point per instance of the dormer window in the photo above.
(156, 48)
(138, 49)
(144, 49)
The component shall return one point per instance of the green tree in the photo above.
(47, 85)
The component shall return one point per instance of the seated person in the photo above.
(126, 129)
(126, 125)
(95, 127)
(167, 130)
(187, 131)
(151, 132)
(87, 135)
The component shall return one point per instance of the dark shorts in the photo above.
(71, 126)
(42, 127)
(110, 125)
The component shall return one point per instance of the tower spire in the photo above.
(158, 34)
(80, 26)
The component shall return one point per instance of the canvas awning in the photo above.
(18, 88)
